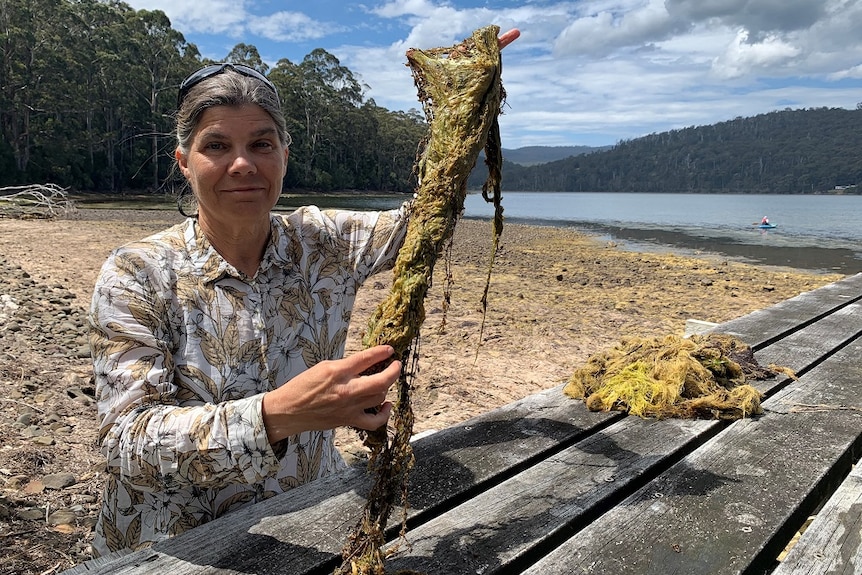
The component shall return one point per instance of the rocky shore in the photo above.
(48, 464)
(556, 297)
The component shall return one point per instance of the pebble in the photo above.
(32, 431)
(30, 513)
(62, 517)
(17, 482)
(58, 480)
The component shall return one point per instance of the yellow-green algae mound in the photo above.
(702, 376)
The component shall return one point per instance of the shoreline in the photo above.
(792, 255)
(808, 259)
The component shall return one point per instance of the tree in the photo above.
(88, 89)
(25, 75)
(247, 55)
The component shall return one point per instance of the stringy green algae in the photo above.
(700, 376)
(461, 93)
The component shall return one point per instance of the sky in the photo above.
(583, 72)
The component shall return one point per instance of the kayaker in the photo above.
(764, 221)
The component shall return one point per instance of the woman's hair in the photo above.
(225, 88)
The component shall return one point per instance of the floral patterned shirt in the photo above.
(184, 347)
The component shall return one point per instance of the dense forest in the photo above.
(88, 89)
(785, 152)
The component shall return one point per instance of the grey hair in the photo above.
(228, 88)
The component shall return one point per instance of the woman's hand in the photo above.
(332, 394)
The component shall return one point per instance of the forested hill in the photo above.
(788, 152)
(88, 90)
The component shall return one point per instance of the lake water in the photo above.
(822, 233)
(818, 233)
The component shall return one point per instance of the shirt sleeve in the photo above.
(372, 239)
(151, 431)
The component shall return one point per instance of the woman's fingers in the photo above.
(508, 37)
(368, 358)
(370, 419)
(375, 386)
(333, 393)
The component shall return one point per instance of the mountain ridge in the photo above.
(800, 151)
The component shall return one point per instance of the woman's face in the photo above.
(235, 165)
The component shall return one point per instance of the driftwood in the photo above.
(35, 201)
(461, 93)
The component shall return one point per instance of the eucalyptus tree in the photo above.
(161, 63)
(81, 83)
(399, 137)
(319, 96)
(247, 55)
(88, 90)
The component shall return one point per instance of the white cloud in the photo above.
(612, 29)
(399, 8)
(214, 17)
(853, 72)
(742, 57)
(290, 27)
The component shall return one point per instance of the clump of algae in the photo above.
(701, 376)
(461, 92)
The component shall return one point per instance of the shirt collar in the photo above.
(211, 266)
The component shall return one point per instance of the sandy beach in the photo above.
(556, 297)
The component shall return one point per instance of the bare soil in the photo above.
(556, 297)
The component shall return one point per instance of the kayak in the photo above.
(767, 226)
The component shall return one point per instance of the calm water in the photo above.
(818, 233)
(821, 233)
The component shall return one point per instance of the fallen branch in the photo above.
(35, 201)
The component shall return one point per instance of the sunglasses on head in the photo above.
(209, 71)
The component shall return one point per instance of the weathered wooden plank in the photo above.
(253, 539)
(306, 527)
(763, 326)
(462, 459)
(803, 349)
(832, 544)
(499, 528)
(508, 523)
(732, 505)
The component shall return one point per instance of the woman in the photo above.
(217, 342)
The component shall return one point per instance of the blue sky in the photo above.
(588, 72)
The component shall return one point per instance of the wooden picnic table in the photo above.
(544, 486)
